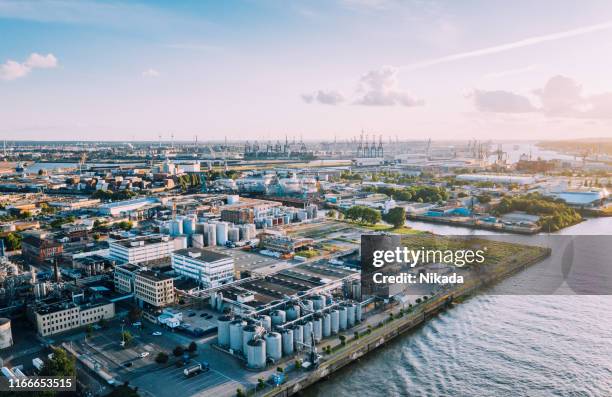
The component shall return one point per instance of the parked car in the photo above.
(203, 315)
(144, 354)
(191, 314)
(156, 333)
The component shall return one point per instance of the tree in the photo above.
(178, 351)
(396, 216)
(342, 340)
(280, 370)
(192, 347)
(261, 383)
(298, 363)
(161, 358)
(126, 337)
(134, 314)
(126, 225)
(89, 329)
(240, 393)
(13, 241)
(60, 364)
(124, 391)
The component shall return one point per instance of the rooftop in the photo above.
(201, 254)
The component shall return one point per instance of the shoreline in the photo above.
(379, 336)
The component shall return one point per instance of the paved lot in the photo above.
(172, 382)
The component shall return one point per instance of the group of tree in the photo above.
(108, 195)
(420, 193)
(349, 176)
(554, 214)
(56, 223)
(396, 216)
(12, 241)
(191, 180)
(362, 214)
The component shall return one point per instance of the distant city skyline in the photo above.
(260, 70)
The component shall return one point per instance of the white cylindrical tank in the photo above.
(358, 312)
(287, 336)
(6, 335)
(180, 242)
(350, 315)
(343, 319)
(274, 346)
(278, 317)
(293, 312)
(318, 302)
(326, 325)
(248, 333)
(256, 353)
(266, 322)
(213, 300)
(317, 329)
(223, 331)
(307, 333)
(233, 234)
(309, 305)
(222, 228)
(298, 337)
(176, 227)
(197, 240)
(335, 321)
(236, 335)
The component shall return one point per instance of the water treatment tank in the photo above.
(293, 312)
(256, 353)
(287, 336)
(233, 234)
(358, 312)
(223, 331)
(266, 322)
(326, 325)
(317, 329)
(343, 319)
(274, 346)
(350, 315)
(248, 333)
(211, 235)
(278, 317)
(236, 335)
(307, 333)
(335, 321)
(298, 337)
(6, 335)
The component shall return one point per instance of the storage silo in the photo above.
(188, 225)
(318, 302)
(6, 335)
(220, 302)
(211, 235)
(197, 240)
(233, 234)
(307, 333)
(213, 300)
(326, 325)
(293, 312)
(223, 331)
(298, 337)
(350, 315)
(236, 335)
(287, 337)
(266, 322)
(343, 319)
(309, 305)
(176, 227)
(274, 346)
(248, 333)
(222, 229)
(358, 312)
(335, 321)
(317, 328)
(256, 354)
(278, 317)
(180, 242)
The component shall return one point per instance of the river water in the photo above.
(495, 345)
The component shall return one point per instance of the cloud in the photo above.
(324, 97)
(150, 73)
(380, 88)
(12, 70)
(511, 46)
(501, 102)
(561, 97)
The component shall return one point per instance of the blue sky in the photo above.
(263, 69)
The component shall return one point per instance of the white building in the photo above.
(210, 268)
(122, 207)
(141, 249)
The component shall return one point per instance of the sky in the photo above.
(311, 69)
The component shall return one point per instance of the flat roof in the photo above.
(202, 254)
(153, 275)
